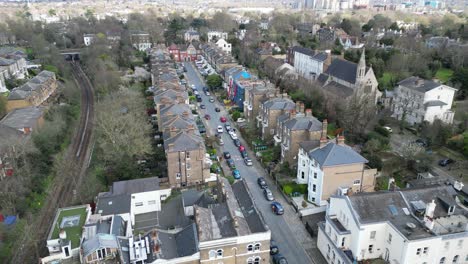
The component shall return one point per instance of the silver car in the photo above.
(268, 194)
(248, 162)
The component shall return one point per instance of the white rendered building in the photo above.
(420, 226)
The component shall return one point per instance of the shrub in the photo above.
(288, 189)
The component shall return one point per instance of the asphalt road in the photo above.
(281, 231)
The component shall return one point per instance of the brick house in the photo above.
(254, 96)
(184, 52)
(270, 110)
(294, 128)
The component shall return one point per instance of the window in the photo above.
(187, 155)
(314, 188)
(212, 254)
(219, 253)
(139, 204)
(460, 243)
(257, 247)
(328, 248)
(371, 248)
(151, 202)
(442, 260)
(302, 175)
(315, 175)
(418, 251)
(425, 250)
(335, 238)
(357, 182)
(343, 241)
(389, 240)
(303, 163)
(188, 166)
(177, 175)
(455, 259)
(250, 248)
(372, 234)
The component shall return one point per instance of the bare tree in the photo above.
(357, 114)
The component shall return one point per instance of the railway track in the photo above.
(66, 183)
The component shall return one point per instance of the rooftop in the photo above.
(279, 104)
(309, 123)
(419, 84)
(70, 219)
(343, 69)
(23, 117)
(135, 186)
(333, 154)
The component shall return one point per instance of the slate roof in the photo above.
(6, 62)
(343, 69)
(178, 122)
(175, 109)
(309, 145)
(303, 50)
(23, 117)
(181, 244)
(249, 211)
(109, 204)
(135, 186)
(333, 154)
(424, 86)
(322, 78)
(338, 89)
(183, 141)
(304, 123)
(99, 241)
(279, 104)
(9, 135)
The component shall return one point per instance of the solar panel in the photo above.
(393, 210)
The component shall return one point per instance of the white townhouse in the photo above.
(309, 63)
(217, 35)
(414, 226)
(224, 46)
(416, 100)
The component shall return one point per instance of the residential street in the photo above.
(287, 230)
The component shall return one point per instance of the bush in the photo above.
(288, 189)
(375, 161)
(384, 141)
(291, 187)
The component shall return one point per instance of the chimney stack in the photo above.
(429, 215)
(285, 95)
(298, 106)
(323, 142)
(340, 140)
(302, 108)
(308, 112)
(292, 114)
(324, 128)
(419, 81)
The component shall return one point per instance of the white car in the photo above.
(240, 120)
(193, 86)
(208, 93)
(219, 129)
(233, 135)
(221, 142)
(195, 93)
(389, 129)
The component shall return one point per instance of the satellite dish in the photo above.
(411, 225)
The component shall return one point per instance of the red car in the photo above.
(222, 119)
(207, 117)
(241, 148)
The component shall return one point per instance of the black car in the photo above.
(244, 154)
(279, 259)
(227, 155)
(199, 99)
(274, 249)
(217, 109)
(446, 162)
(421, 142)
(262, 183)
(237, 142)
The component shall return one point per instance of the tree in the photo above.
(351, 27)
(214, 81)
(223, 21)
(358, 113)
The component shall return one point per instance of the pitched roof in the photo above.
(135, 186)
(338, 89)
(434, 103)
(419, 84)
(183, 141)
(309, 145)
(304, 123)
(343, 70)
(333, 154)
(305, 51)
(23, 117)
(247, 206)
(97, 242)
(108, 204)
(279, 104)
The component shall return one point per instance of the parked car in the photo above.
(193, 87)
(212, 100)
(241, 148)
(244, 154)
(233, 136)
(236, 174)
(207, 93)
(207, 117)
(202, 106)
(221, 142)
(223, 119)
(389, 129)
(421, 142)
(277, 208)
(268, 194)
(248, 161)
(217, 109)
(227, 155)
(279, 259)
(196, 92)
(274, 249)
(228, 127)
(231, 164)
(262, 183)
(219, 129)
(199, 99)
(205, 89)
(445, 162)
(237, 142)
(240, 120)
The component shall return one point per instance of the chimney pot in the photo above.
(308, 112)
(292, 114)
(302, 106)
(298, 106)
(340, 140)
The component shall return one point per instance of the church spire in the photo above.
(361, 68)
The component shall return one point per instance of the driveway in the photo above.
(287, 230)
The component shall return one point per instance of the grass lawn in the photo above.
(73, 233)
(444, 74)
